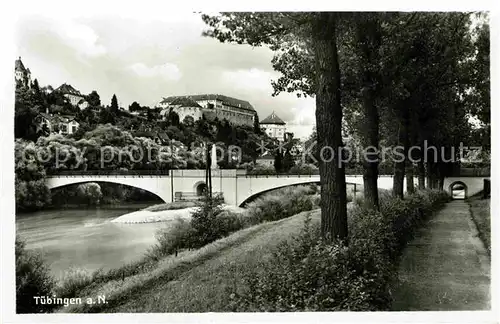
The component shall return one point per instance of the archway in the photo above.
(458, 190)
(352, 187)
(106, 192)
(200, 188)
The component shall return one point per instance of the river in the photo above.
(85, 238)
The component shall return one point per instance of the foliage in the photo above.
(481, 214)
(31, 190)
(210, 222)
(114, 105)
(73, 280)
(33, 279)
(171, 239)
(89, 192)
(93, 99)
(308, 274)
(204, 221)
(280, 204)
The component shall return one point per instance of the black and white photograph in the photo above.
(160, 160)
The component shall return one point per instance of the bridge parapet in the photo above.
(105, 173)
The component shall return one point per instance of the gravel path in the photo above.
(446, 266)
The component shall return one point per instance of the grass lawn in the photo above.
(480, 209)
(198, 280)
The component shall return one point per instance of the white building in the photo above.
(59, 124)
(236, 111)
(266, 160)
(74, 96)
(184, 107)
(274, 127)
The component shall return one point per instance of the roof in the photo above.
(45, 115)
(184, 102)
(229, 101)
(147, 134)
(273, 119)
(68, 89)
(60, 118)
(163, 136)
(266, 156)
(19, 65)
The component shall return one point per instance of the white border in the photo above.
(160, 10)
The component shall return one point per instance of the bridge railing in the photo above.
(106, 172)
(474, 172)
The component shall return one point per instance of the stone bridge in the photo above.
(236, 186)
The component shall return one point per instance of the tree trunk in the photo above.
(328, 125)
(368, 34)
(410, 185)
(421, 174)
(399, 167)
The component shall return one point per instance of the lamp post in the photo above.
(208, 174)
(171, 170)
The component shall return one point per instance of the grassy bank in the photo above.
(197, 280)
(480, 210)
(183, 236)
(254, 270)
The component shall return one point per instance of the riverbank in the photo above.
(164, 213)
(197, 280)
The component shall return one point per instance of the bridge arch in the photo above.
(263, 192)
(161, 189)
(456, 188)
(354, 186)
(103, 182)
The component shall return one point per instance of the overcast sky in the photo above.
(144, 60)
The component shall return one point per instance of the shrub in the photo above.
(209, 223)
(32, 280)
(280, 204)
(307, 274)
(204, 222)
(228, 222)
(172, 239)
(73, 281)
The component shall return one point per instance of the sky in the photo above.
(144, 60)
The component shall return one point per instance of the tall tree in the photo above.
(93, 99)
(256, 124)
(307, 53)
(134, 106)
(368, 35)
(114, 104)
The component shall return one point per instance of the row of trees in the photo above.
(389, 78)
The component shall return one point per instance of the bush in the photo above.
(204, 221)
(307, 274)
(33, 279)
(280, 204)
(210, 222)
(172, 239)
(73, 281)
